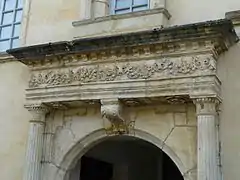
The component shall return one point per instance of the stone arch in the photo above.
(97, 136)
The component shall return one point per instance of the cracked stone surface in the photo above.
(182, 141)
(170, 124)
(158, 124)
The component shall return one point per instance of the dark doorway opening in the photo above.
(92, 169)
(126, 158)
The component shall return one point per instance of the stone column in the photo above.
(207, 140)
(35, 142)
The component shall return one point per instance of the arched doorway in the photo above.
(125, 158)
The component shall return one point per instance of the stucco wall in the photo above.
(190, 11)
(49, 21)
(13, 120)
(229, 130)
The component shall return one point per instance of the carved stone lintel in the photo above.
(38, 112)
(151, 69)
(207, 105)
(114, 121)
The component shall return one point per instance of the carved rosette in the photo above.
(114, 121)
(38, 112)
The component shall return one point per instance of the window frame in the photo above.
(113, 8)
(13, 24)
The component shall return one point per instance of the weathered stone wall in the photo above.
(175, 126)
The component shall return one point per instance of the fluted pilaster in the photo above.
(35, 142)
(207, 140)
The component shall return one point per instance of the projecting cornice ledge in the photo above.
(219, 34)
(234, 16)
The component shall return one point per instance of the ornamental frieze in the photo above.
(161, 68)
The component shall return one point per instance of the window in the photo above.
(11, 16)
(126, 6)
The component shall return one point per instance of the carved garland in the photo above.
(112, 72)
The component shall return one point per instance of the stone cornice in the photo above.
(215, 36)
(234, 16)
(4, 57)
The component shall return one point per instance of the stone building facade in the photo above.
(140, 89)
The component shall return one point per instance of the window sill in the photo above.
(114, 24)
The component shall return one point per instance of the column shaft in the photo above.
(35, 143)
(34, 151)
(207, 151)
(207, 140)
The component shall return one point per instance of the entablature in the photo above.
(167, 62)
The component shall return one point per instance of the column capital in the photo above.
(37, 108)
(38, 112)
(206, 105)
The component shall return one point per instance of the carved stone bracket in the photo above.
(114, 120)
